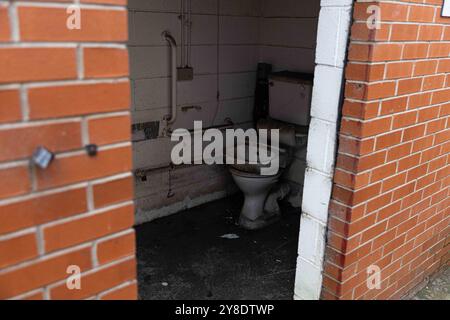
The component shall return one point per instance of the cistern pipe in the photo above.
(173, 46)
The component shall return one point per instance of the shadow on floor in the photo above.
(184, 257)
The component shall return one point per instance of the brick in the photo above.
(409, 162)
(380, 90)
(17, 249)
(438, 50)
(433, 82)
(105, 62)
(374, 231)
(441, 96)
(42, 272)
(72, 100)
(407, 86)
(422, 143)
(88, 228)
(425, 67)
(428, 114)
(404, 32)
(363, 111)
(10, 106)
(49, 24)
(116, 248)
(435, 126)
(415, 51)
(421, 14)
(393, 105)
(379, 202)
(419, 100)
(41, 209)
(399, 70)
(430, 32)
(97, 281)
(404, 120)
(5, 32)
(389, 211)
(77, 168)
(37, 64)
(114, 191)
(366, 193)
(61, 136)
(109, 130)
(443, 66)
(413, 133)
(399, 151)
(361, 32)
(383, 172)
(388, 140)
(371, 161)
(364, 72)
(128, 292)
(15, 181)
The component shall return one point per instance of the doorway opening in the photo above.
(229, 64)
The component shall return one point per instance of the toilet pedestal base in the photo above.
(265, 220)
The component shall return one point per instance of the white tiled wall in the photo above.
(288, 33)
(229, 38)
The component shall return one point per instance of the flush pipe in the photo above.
(173, 45)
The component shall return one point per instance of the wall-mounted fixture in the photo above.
(91, 149)
(187, 108)
(173, 45)
(42, 157)
(186, 72)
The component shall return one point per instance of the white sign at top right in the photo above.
(446, 8)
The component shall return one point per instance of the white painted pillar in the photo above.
(332, 39)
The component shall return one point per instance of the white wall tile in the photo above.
(240, 7)
(239, 30)
(322, 145)
(289, 32)
(238, 58)
(237, 85)
(316, 194)
(291, 8)
(327, 93)
(309, 281)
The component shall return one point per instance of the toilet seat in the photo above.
(249, 171)
(253, 170)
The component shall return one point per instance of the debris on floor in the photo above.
(187, 251)
(230, 236)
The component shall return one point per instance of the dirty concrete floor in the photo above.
(184, 257)
(437, 289)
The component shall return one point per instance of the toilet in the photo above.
(289, 111)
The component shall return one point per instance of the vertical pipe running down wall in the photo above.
(173, 46)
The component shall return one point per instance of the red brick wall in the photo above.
(64, 89)
(390, 203)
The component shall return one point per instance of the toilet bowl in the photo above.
(256, 187)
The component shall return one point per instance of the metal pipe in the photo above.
(189, 36)
(173, 45)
